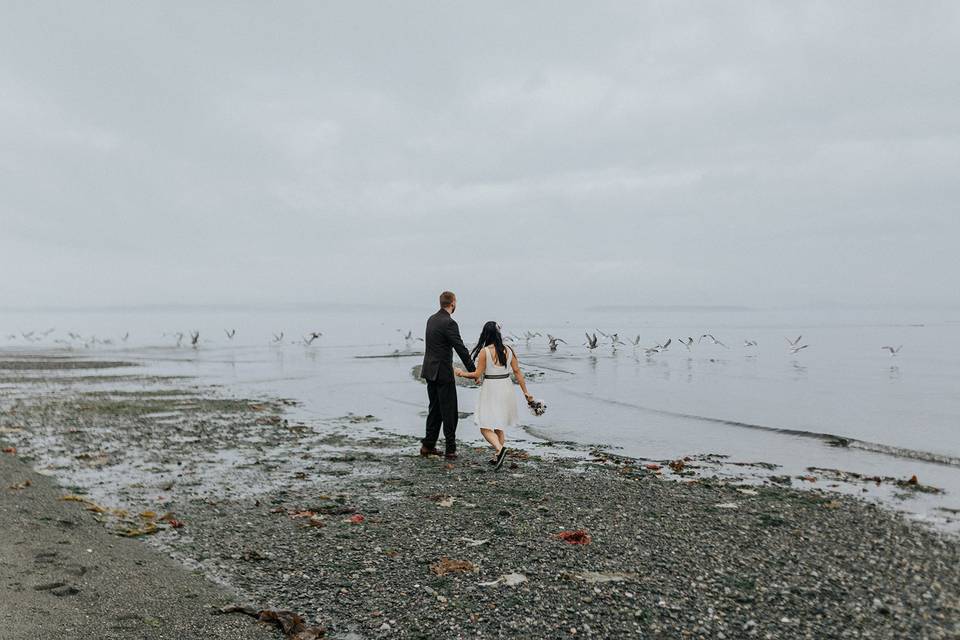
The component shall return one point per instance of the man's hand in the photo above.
(458, 373)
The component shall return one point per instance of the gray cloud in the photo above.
(777, 153)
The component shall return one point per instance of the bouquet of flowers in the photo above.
(537, 407)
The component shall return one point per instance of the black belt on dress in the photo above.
(499, 376)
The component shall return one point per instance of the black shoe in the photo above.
(500, 458)
(429, 451)
(450, 456)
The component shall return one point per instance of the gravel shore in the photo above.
(342, 522)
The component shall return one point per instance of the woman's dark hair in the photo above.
(491, 335)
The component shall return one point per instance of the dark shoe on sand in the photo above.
(450, 456)
(501, 457)
(429, 451)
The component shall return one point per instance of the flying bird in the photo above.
(194, 338)
(795, 349)
(658, 348)
(277, 338)
(614, 338)
(687, 342)
(793, 343)
(893, 351)
(591, 341)
(712, 340)
(309, 338)
(749, 343)
(552, 341)
(126, 336)
(178, 335)
(230, 333)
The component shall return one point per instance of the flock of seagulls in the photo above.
(599, 338)
(74, 339)
(593, 340)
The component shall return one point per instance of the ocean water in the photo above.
(896, 415)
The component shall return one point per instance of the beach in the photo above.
(338, 520)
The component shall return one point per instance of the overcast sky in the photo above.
(571, 153)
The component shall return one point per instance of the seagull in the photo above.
(75, 336)
(277, 338)
(313, 335)
(635, 341)
(793, 343)
(178, 335)
(795, 349)
(749, 343)
(530, 335)
(614, 338)
(893, 351)
(27, 335)
(126, 336)
(11, 336)
(591, 341)
(687, 342)
(194, 338)
(713, 340)
(230, 333)
(44, 334)
(553, 342)
(658, 348)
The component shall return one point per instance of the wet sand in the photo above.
(64, 576)
(340, 520)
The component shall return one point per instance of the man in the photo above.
(442, 336)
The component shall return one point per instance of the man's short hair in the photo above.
(446, 299)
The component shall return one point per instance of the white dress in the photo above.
(497, 404)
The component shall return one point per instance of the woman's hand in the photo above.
(528, 396)
(458, 373)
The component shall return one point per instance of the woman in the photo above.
(497, 406)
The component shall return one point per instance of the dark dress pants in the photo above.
(443, 410)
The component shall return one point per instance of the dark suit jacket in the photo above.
(442, 337)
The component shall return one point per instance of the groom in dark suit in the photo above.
(442, 337)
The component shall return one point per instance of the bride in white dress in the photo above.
(497, 405)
